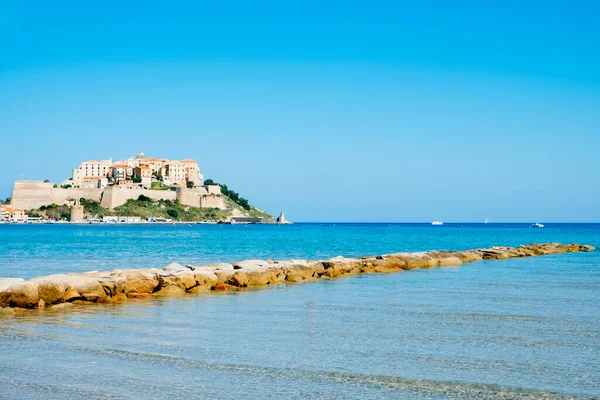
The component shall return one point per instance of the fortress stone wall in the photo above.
(28, 195)
(212, 201)
(115, 196)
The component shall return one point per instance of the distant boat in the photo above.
(437, 223)
(537, 225)
(486, 220)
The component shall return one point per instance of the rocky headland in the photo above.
(64, 290)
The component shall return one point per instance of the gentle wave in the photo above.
(446, 389)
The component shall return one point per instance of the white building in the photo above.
(91, 169)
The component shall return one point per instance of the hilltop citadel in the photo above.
(113, 184)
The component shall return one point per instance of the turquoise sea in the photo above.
(521, 328)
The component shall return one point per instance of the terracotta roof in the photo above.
(119, 166)
(188, 160)
(151, 159)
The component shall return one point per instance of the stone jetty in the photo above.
(63, 290)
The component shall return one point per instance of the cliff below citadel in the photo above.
(60, 291)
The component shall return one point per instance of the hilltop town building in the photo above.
(89, 169)
(112, 184)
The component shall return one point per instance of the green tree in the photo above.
(210, 182)
(189, 184)
(173, 213)
(144, 198)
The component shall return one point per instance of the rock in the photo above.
(205, 278)
(223, 275)
(23, 295)
(468, 256)
(239, 279)
(6, 282)
(183, 280)
(417, 260)
(211, 267)
(261, 278)
(52, 292)
(299, 273)
(170, 291)
(222, 287)
(89, 288)
(72, 295)
(140, 281)
(135, 295)
(489, 254)
(446, 258)
(587, 248)
(175, 267)
(200, 289)
(251, 265)
(337, 266)
(113, 285)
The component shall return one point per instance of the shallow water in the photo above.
(519, 328)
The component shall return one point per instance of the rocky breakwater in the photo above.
(63, 290)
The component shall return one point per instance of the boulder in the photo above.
(298, 273)
(417, 260)
(170, 291)
(251, 265)
(239, 279)
(223, 275)
(211, 267)
(140, 281)
(23, 295)
(183, 280)
(6, 282)
(113, 285)
(445, 258)
(205, 278)
(52, 292)
(175, 267)
(89, 288)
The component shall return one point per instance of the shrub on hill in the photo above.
(240, 201)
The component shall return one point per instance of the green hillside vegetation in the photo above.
(145, 207)
(234, 196)
(52, 212)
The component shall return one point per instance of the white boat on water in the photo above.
(437, 223)
(537, 225)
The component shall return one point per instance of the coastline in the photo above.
(64, 290)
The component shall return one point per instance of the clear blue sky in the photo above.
(329, 111)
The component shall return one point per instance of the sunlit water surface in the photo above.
(520, 328)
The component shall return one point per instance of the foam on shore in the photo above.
(63, 290)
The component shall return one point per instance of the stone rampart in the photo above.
(115, 196)
(28, 195)
(212, 201)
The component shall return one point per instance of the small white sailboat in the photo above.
(486, 220)
(537, 225)
(437, 223)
